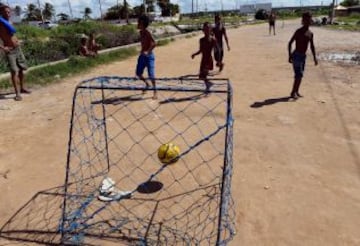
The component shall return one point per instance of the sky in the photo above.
(78, 6)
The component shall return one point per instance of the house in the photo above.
(341, 11)
(353, 9)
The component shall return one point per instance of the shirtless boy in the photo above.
(302, 37)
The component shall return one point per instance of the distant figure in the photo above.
(220, 33)
(14, 56)
(92, 45)
(207, 44)
(272, 19)
(146, 57)
(83, 49)
(302, 37)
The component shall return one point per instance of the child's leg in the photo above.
(151, 71)
(141, 64)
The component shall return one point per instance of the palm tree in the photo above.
(164, 6)
(33, 13)
(126, 11)
(87, 13)
(48, 11)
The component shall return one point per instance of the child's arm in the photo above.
(226, 39)
(312, 47)
(289, 47)
(196, 53)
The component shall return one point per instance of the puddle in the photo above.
(346, 58)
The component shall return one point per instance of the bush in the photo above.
(261, 14)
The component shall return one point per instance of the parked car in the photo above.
(47, 25)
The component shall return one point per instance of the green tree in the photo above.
(150, 5)
(48, 11)
(87, 13)
(348, 3)
(139, 10)
(174, 9)
(164, 6)
(32, 13)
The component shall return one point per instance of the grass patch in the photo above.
(74, 65)
(163, 42)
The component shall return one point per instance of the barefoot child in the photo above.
(83, 49)
(207, 44)
(92, 45)
(146, 57)
(220, 32)
(302, 37)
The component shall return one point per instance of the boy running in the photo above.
(146, 57)
(302, 37)
(207, 44)
(220, 33)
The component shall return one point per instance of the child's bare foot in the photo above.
(25, 91)
(146, 87)
(293, 95)
(18, 98)
(208, 85)
(221, 67)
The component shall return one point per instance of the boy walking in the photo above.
(207, 44)
(302, 37)
(220, 33)
(146, 58)
(11, 47)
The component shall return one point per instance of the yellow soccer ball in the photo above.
(168, 153)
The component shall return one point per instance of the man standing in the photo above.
(11, 47)
(220, 32)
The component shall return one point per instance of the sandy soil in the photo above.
(297, 163)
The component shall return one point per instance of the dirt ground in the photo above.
(296, 163)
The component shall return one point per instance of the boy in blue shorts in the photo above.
(146, 58)
(302, 37)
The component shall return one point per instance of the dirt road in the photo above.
(297, 163)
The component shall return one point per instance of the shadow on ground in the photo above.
(271, 101)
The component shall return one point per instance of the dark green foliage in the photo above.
(74, 65)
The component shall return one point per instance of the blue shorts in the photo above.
(298, 64)
(146, 61)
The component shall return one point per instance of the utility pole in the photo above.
(71, 13)
(192, 7)
(332, 12)
(145, 8)
(41, 14)
(101, 15)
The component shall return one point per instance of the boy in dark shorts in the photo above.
(219, 32)
(207, 44)
(302, 37)
(11, 46)
(146, 58)
(272, 19)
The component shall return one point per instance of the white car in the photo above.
(47, 25)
